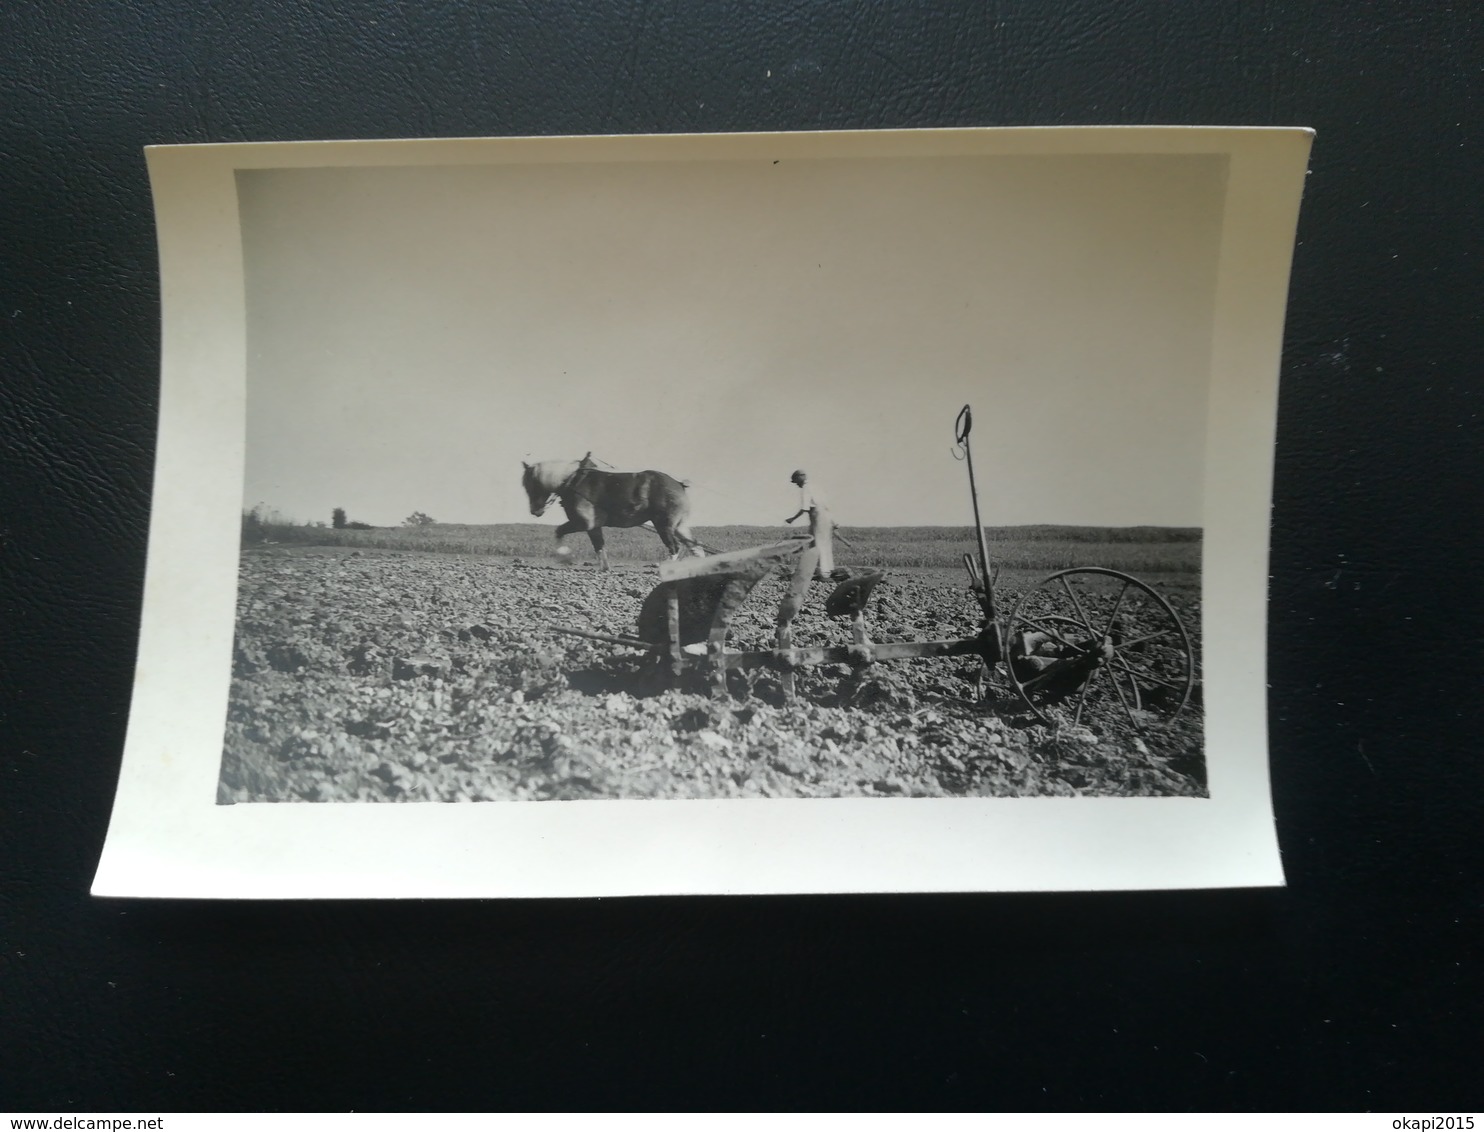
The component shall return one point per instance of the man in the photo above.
(812, 503)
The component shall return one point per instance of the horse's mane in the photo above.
(549, 474)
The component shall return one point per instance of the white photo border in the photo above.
(168, 837)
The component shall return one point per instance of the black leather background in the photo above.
(1357, 987)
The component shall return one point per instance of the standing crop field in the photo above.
(1140, 550)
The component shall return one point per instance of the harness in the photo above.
(583, 465)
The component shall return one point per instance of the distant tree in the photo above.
(337, 518)
(253, 525)
(418, 519)
(355, 525)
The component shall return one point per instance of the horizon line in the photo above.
(288, 521)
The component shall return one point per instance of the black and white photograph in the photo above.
(631, 480)
(800, 558)
(738, 491)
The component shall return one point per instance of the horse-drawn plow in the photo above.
(1080, 637)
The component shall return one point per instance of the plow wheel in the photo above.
(1091, 641)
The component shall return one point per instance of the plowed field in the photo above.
(367, 675)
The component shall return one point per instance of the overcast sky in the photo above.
(415, 332)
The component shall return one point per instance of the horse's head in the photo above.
(537, 490)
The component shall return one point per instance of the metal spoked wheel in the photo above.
(1089, 641)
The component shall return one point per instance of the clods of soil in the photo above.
(369, 676)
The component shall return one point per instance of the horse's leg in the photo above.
(596, 535)
(570, 527)
(676, 514)
(685, 538)
(580, 518)
(667, 536)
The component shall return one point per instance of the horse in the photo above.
(594, 499)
